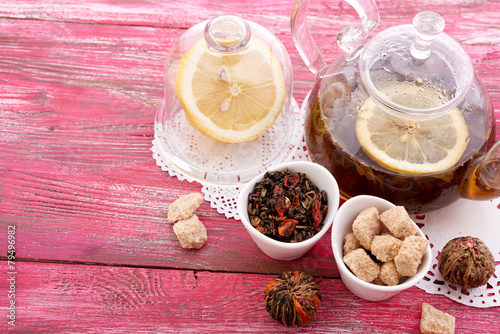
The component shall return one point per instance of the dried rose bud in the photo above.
(291, 180)
(466, 262)
(292, 298)
(287, 227)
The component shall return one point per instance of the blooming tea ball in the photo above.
(292, 298)
(466, 262)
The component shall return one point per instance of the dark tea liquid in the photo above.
(483, 184)
(332, 142)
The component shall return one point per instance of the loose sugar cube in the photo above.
(385, 247)
(410, 255)
(350, 243)
(389, 274)
(184, 207)
(191, 232)
(362, 265)
(434, 321)
(366, 226)
(398, 222)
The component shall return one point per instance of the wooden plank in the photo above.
(172, 14)
(78, 95)
(60, 298)
(326, 20)
(471, 23)
(82, 183)
(83, 216)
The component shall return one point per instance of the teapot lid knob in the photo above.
(417, 55)
(428, 25)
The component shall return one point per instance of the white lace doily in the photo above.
(224, 197)
(477, 219)
(460, 219)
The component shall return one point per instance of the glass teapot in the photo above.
(400, 115)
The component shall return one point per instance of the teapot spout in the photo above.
(482, 181)
(350, 39)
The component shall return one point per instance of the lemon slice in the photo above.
(231, 97)
(411, 146)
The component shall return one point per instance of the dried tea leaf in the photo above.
(281, 196)
(292, 298)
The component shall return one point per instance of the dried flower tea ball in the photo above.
(466, 262)
(292, 298)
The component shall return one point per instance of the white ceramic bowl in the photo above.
(319, 176)
(342, 225)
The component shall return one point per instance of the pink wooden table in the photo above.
(80, 82)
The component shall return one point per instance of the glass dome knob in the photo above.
(227, 33)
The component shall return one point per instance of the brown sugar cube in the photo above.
(399, 222)
(410, 255)
(434, 321)
(184, 207)
(366, 226)
(378, 281)
(385, 247)
(191, 232)
(389, 274)
(362, 265)
(350, 243)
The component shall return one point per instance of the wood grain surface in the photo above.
(80, 82)
(85, 298)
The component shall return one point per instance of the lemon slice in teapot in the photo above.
(409, 145)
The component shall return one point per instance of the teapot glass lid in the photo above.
(416, 69)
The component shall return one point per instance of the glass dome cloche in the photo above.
(228, 112)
